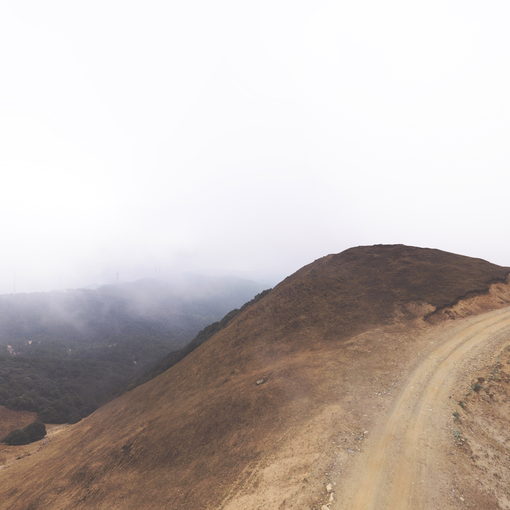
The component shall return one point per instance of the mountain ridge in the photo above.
(244, 419)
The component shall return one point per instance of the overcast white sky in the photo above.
(247, 137)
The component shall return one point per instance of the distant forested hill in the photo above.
(62, 354)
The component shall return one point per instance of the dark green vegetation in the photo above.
(61, 390)
(26, 435)
(63, 354)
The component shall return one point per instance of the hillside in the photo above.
(10, 420)
(275, 407)
(62, 354)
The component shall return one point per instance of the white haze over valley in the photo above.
(142, 139)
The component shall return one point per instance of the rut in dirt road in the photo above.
(389, 473)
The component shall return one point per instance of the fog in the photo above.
(139, 139)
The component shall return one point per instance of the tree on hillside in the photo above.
(29, 434)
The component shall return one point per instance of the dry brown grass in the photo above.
(203, 433)
(10, 420)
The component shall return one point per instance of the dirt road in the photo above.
(393, 469)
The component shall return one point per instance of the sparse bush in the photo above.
(459, 438)
(476, 387)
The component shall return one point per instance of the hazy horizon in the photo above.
(145, 139)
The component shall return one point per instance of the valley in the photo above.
(63, 354)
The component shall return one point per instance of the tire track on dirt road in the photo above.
(389, 472)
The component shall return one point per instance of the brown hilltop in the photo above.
(245, 420)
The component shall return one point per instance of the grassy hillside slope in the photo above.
(10, 420)
(187, 437)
